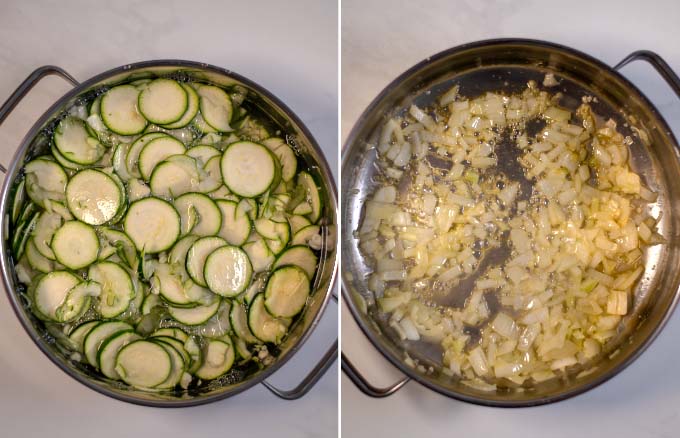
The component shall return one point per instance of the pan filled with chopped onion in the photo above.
(509, 231)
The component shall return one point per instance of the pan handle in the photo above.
(364, 386)
(26, 86)
(659, 65)
(312, 378)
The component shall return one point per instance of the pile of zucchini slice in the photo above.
(167, 235)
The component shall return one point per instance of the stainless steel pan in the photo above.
(259, 101)
(506, 65)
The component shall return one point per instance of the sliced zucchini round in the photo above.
(119, 110)
(93, 197)
(297, 223)
(155, 151)
(248, 169)
(143, 364)
(306, 234)
(51, 291)
(259, 254)
(172, 332)
(171, 179)
(178, 365)
(235, 228)
(152, 224)
(286, 292)
(198, 253)
(117, 288)
(96, 337)
(75, 245)
(37, 260)
(123, 245)
(107, 353)
(45, 179)
(218, 358)
(227, 271)
(178, 253)
(132, 157)
(300, 256)
(212, 180)
(75, 144)
(163, 101)
(78, 334)
(176, 343)
(191, 111)
(313, 196)
(238, 317)
(264, 326)
(45, 227)
(170, 285)
(194, 315)
(208, 216)
(203, 153)
(216, 107)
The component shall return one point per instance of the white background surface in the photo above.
(379, 42)
(290, 48)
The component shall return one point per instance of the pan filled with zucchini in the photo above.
(169, 233)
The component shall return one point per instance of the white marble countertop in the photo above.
(380, 41)
(289, 48)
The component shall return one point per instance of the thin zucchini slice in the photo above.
(248, 169)
(137, 189)
(218, 359)
(18, 197)
(202, 126)
(143, 364)
(117, 288)
(118, 161)
(312, 195)
(66, 164)
(238, 317)
(22, 234)
(212, 175)
(216, 107)
(37, 260)
(203, 153)
(255, 288)
(195, 353)
(132, 157)
(170, 285)
(107, 353)
(77, 300)
(171, 178)
(249, 207)
(119, 112)
(176, 344)
(259, 254)
(155, 151)
(194, 315)
(78, 334)
(47, 225)
(306, 234)
(235, 228)
(264, 326)
(75, 245)
(163, 101)
(300, 256)
(75, 144)
(297, 223)
(172, 332)
(209, 218)
(287, 292)
(270, 229)
(96, 337)
(51, 291)
(191, 111)
(122, 244)
(152, 224)
(150, 301)
(198, 253)
(227, 271)
(45, 179)
(178, 365)
(286, 157)
(93, 197)
(178, 253)
(303, 208)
